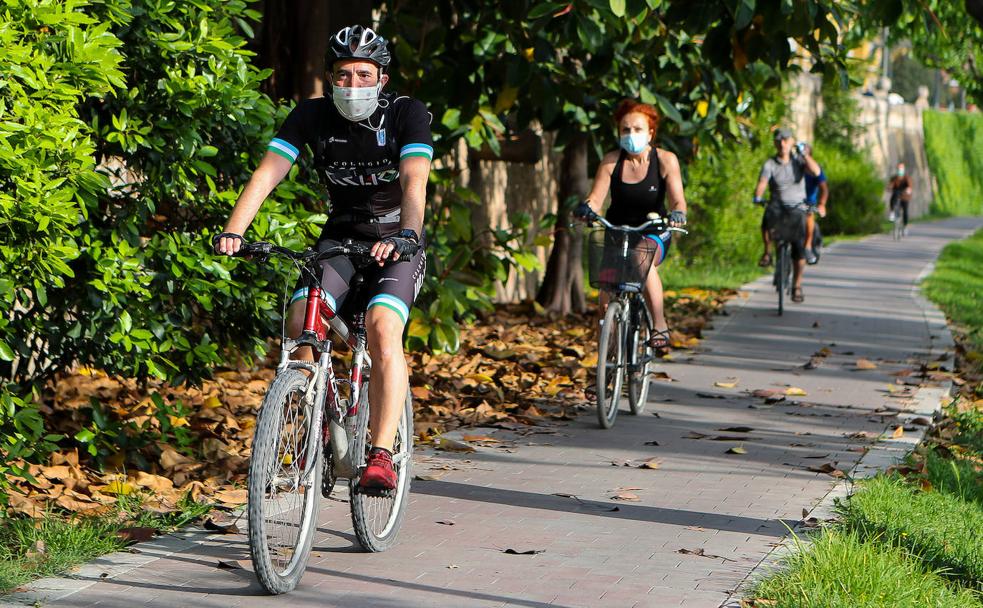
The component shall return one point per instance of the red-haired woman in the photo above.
(640, 178)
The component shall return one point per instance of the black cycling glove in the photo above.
(585, 212)
(227, 235)
(406, 243)
(677, 218)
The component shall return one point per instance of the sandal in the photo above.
(797, 296)
(659, 340)
(765, 260)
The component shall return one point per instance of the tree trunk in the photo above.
(292, 38)
(975, 9)
(562, 290)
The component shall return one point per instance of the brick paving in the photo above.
(552, 491)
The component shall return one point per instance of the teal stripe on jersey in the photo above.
(392, 303)
(284, 149)
(416, 150)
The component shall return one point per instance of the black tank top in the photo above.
(631, 203)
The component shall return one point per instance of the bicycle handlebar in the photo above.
(658, 222)
(348, 248)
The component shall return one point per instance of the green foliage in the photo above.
(52, 58)
(956, 285)
(941, 32)
(943, 530)
(855, 205)
(723, 222)
(838, 126)
(111, 261)
(953, 141)
(907, 74)
(462, 266)
(566, 65)
(838, 570)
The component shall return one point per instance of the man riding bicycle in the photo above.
(817, 194)
(784, 175)
(640, 177)
(375, 150)
(901, 187)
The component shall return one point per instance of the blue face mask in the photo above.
(634, 143)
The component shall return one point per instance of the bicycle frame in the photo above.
(322, 393)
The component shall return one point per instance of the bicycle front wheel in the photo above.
(284, 484)
(781, 275)
(377, 517)
(640, 358)
(610, 355)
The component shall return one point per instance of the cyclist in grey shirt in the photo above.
(784, 175)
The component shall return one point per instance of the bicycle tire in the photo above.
(898, 226)
(780, 276)
(377, 519)
(609, 366)
(639, 380)
(280, 566)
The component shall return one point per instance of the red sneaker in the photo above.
(379, 471)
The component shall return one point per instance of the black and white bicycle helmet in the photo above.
(357, 42)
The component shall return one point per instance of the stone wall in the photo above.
(890, 133)
(506, 188)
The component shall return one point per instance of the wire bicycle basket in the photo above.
(619, 257)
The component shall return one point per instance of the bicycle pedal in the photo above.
(375, 492)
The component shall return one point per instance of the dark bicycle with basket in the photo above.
(313, 428)
(787, 226)
(620, 258)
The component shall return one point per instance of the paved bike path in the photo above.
(692, 528)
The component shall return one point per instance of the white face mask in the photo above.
(356, 103)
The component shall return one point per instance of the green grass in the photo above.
(31, 549)
(953, 141)
(960, 478)
(943, 530)
(839, 570)
(956, 285)
(676, 275)
(36, 548)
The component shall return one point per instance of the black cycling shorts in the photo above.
(393, 286)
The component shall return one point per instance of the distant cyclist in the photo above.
(640, 177)
(784, 176)
(374, 150)
(817, 194)
(900, 186)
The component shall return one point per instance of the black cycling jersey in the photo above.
(631, 203)
(359, 160)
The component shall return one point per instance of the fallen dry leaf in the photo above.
(627, 496)
(232, 497)
(736, 450)
(827, 468)
(794, 391)
(212, 526)
(137, 534)
(726, 384)
(702, 553)
(865, 364)
(898, 433)
(453, 445)
(526, 552)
